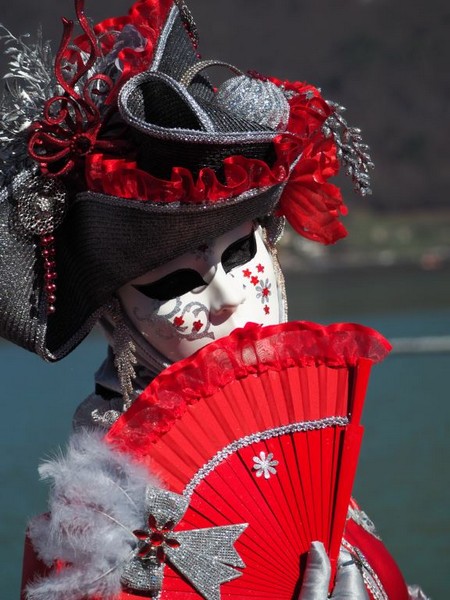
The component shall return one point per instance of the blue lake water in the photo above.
(404, 473)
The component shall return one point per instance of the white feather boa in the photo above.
(97, 500)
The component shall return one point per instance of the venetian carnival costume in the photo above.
(119, 160)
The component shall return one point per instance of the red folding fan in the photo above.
(259, 428)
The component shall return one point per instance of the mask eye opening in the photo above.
(239, 252)
(173, 285)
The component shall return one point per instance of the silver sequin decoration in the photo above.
(352, 152)
(125, 362)
(40, 202)
(142, 575)
(165, 506)
(254, 100)
(206, 557)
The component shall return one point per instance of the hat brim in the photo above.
(106, 241)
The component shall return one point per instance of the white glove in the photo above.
(349, 581)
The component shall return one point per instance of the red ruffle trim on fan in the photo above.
(250, 350)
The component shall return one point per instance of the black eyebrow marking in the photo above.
(173, 285)
(239, 252)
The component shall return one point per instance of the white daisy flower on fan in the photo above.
(265, 465)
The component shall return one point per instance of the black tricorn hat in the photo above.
(200, 163)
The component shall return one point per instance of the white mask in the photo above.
(204, 295)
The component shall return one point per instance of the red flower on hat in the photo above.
(311, 204)
(308, 109)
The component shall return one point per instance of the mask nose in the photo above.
(226, 294)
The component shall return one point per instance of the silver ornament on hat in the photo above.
(246, 97)
(351, 150)
(40, 202)
(254, 100)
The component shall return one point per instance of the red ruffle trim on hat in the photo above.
(311, 204)
(252, 349)
(123, 178)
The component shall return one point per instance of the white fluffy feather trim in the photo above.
(97, 500)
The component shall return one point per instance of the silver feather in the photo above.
(352, 152)
(31, 81)
(28, 84)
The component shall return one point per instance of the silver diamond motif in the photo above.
(254, 100)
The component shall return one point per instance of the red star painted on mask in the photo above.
(247, 273)
(178, 321)
(267, 310)
(197, 325)
(266, 292)
(260, 268)
(254, 280)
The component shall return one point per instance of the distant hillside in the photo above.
(387, 61)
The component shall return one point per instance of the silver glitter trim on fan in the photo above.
(243, 442)
(352, 152)
(371, 579)
(254, 100)
(206, 557)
